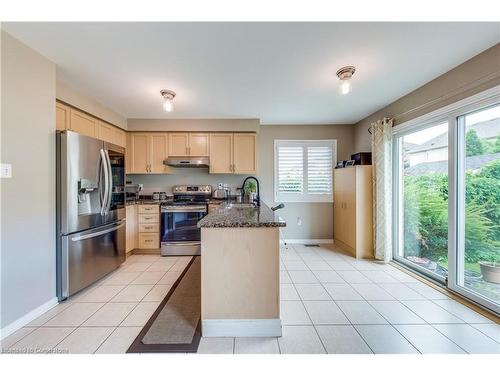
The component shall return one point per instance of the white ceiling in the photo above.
(278, 72)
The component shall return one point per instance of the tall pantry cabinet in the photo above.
(353, 210)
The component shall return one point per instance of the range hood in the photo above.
(187, 161)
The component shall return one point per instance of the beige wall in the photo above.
(475, 75)
(317, 218)
(184, 125)
(28, 253)
(79, 100)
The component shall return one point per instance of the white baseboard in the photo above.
(307, 241)
(25, 319)
(241, 327)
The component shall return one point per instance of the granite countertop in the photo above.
(241, 217)
(145, 201)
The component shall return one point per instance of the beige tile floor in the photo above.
(105, 317)
(330, 303)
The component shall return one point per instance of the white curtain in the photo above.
(382, 188)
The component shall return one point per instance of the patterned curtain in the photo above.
(382, 188)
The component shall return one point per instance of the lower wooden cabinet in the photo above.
(149, 240)
(149, 226)
(131, 228)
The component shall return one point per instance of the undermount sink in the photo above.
(242, 205)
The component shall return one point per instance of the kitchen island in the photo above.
(240, 271)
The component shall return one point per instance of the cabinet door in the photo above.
(62, 116)
(178, 144)
(244, 153)
(198, 144)
(349, 211)
(83, 123)
(119, 137)
(159, 148)
(139, 153)
(131, 228)
(106, 132)
(338, 206)
(221, 152)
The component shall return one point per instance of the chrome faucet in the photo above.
(257, 198)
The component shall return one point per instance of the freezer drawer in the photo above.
(87, 256)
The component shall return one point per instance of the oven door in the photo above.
(180, 234)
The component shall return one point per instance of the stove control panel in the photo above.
(192, 190)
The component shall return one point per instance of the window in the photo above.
(446, 196)
(303, 170)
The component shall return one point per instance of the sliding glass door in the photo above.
(446, 197)
(422, 204)
(477, 266)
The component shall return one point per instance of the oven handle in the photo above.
(181, 243)
(184, 209)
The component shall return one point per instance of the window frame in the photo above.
(305, 197)
(456, 158)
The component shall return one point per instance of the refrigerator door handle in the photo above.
(110, 182)
(99, 233)
(104, 165)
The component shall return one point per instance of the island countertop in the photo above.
(227, 216)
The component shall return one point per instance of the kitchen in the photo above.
(210, 213)
(169, 224)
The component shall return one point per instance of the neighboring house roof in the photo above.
(471, 162)
(484, 130)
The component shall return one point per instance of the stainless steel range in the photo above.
(179, 218)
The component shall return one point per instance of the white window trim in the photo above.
(450, 114)
(297, 198)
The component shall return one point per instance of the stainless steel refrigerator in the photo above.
(90, 211)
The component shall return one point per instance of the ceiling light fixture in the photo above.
(345, 73)
(168, 100)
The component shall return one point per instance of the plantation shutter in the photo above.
(291, 169)
(303, 170)
(319, 169)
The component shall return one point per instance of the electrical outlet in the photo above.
(6, 170)
(299, 221)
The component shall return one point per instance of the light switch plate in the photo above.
(5, 170)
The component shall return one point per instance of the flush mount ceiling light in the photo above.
(345, 73)
(168, 100)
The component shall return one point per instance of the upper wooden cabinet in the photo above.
(146, 153)
(188, 144)
(68, 118)
(138, 149)
(233, 153)
(199, 144)
(112, 134)
(228, 152)
(159, 152)
(178, 144)
(106, 132)
(244, 153)
(221, 153)
(83, 123)
(62, 116)
(120, 137)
